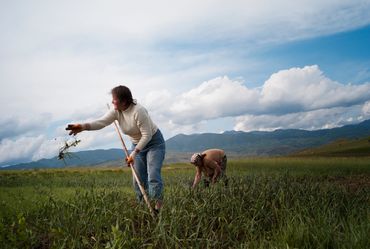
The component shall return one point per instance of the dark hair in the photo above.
(123, 94)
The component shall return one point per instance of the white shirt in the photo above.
(134, 122)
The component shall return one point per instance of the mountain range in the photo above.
(235, 143)
(263, 143)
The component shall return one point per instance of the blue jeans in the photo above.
(148, 164)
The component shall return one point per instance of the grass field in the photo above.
(343, 147)
(268, 203)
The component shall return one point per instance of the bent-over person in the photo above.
(212, 164)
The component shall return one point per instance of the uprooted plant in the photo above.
(64, 150)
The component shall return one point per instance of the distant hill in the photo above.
(256, 143)
(81, 158)
(235, 143)
(340, 148)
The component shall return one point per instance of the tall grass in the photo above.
(268, 203)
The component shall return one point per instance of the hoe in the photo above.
(134, 173)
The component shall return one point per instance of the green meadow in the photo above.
(268, 203)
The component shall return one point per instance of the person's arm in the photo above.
(198, 176)
(217, 169)
(102, 122)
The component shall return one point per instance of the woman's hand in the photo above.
(75, 128)
(131, 158)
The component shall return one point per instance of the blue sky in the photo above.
(343, 56)
(198, 66)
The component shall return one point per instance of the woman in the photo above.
(148, 144)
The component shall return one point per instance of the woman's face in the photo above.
(119, 106)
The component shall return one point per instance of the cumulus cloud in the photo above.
(61, 60)
(19, 149)
(212, 99)
(33, 148)
(310, 120)
(305, 89)
(366, 109)
(292, 91)
(56, 52)
(155, 100)
(15, 126)
(294, 98)
(29, 148)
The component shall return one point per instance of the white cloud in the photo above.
(311, 120)
(60, 59)
(216, 98)
(156, 100)
(304, 89)
(13, 126)
(115, 21)
(294, 98)
(366, 109)
(33, 148)
(295, 90)
(19, 149)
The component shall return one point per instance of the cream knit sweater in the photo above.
(134, 122)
